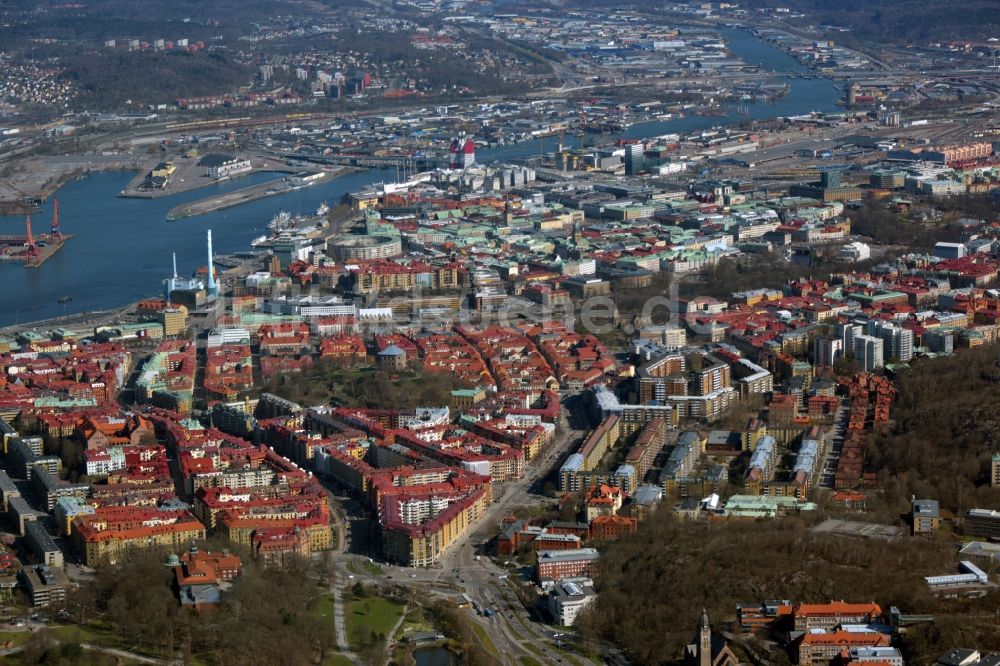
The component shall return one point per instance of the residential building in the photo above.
(827, 350)
(967, 657)
(104, 536)
(43, 547)
(603, 500)
(868, 352)
(418, 528)
(45, 585)
(897, 342)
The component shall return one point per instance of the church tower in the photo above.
(704, 640)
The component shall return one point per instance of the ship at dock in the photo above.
(284, 226)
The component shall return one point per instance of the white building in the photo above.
(310, 306)
(228, 336)
(868, 352)
(567, 600)
(856, 251)
(949, 250)
(882, 655)
(104, 461)
(897, 342)
(230, 168)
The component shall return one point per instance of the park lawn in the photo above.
(337, 659)
(372, 568)
(323, 608)
(362, 567)
(484, 638)
(372, 614)
(15, 638)
(70, 633)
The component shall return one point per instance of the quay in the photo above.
(282, 185)
(15, 248)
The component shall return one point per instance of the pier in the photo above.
(16, 248)
(34, 250)
(247, 194)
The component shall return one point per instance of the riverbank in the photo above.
(28, 184)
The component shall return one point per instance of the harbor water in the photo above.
(121, 248)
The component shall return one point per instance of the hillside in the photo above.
(671, 569)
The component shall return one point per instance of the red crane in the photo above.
(30, 239)
(56, 233)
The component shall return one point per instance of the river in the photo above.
(804, 96)
(121, 248)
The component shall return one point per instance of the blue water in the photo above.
(435, 656)
(121, 249)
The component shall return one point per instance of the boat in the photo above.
(62, 300)
(260, 240)
(323, 209)
(279, 221)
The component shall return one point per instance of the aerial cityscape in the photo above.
(500, 333)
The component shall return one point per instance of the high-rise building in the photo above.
(995, 471)
(868, 352)
(846, 333)
(634, 161)
(897, 341)
(827, 350)
(210, 287)
(940, 341)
